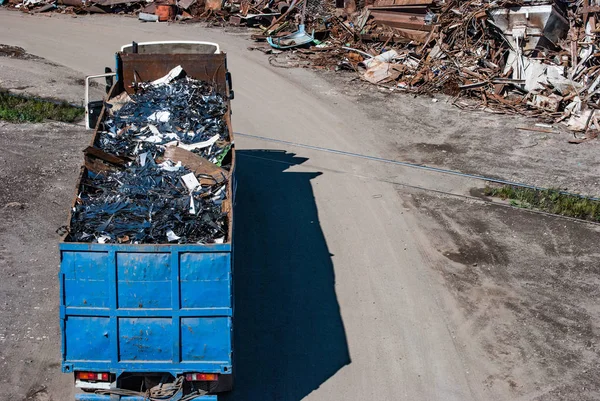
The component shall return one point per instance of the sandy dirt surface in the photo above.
(527, 288)
(38, 167)
(355, 284)
(26, 74)
(431, 131)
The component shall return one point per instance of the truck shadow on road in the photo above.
(289, 334)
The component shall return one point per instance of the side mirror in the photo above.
(109, 79)
(93, 109)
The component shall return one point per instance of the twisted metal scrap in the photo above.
(147, 204)
(195, 114)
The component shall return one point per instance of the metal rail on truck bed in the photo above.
(131, 310)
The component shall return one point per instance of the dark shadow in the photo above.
(289, 335)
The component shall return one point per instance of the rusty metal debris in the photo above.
(537, 58)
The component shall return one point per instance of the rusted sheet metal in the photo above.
(369, 37)
(380, 3)
(185, 4)
(98, 161)
(412, 21)
(148, 67)
(416, 9)
(74, 3)
(107, 3)
(199, 49)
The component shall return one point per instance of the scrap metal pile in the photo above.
(159, 170)
(186, 111)
(534, 58)
(217, 12)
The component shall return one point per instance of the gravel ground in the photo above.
(38, 169)
(527, 286)
(430, 131)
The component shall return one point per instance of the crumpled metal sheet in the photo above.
(185, 110)
(147, 204)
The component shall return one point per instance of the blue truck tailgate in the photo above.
(146, 308)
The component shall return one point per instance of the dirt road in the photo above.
(353, 283)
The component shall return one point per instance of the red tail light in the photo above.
(93, 376)
(202, 377)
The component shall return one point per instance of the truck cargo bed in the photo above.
(151, 308)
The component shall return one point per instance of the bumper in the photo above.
(99, 397)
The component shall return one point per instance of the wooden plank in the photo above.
(408, 9)
(413, 18)
(102, 155)
(417, 36)
(197, 164)
(588, 10)
(368, 37)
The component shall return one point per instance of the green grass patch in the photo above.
(549, 200)
(21, 109)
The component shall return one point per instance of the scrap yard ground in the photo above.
(356, 279)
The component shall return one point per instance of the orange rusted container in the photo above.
(165, 12)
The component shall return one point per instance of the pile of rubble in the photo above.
(539, 59)
(158, 171)
(532, 57)
(217, 12)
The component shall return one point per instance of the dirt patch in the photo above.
(431, 131)
(38, 394)
(38, 166)
(432, 153)
(16, 52)
(25, 74)
(528, 288)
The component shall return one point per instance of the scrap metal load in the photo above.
(158, 170)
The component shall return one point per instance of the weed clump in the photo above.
(548, 200)
(21, 109)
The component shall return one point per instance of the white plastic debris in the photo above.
(159, 116)
(190, 181)
(192, 205)
(174, 73)
(200, 145)
(168, 165)
(383, 57)
(171, 236)
(578, 122)
(143, 158)
(154, 130)
(103, 238)
(219, 194)
(151, 139)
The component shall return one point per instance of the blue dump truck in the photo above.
(150, 321)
